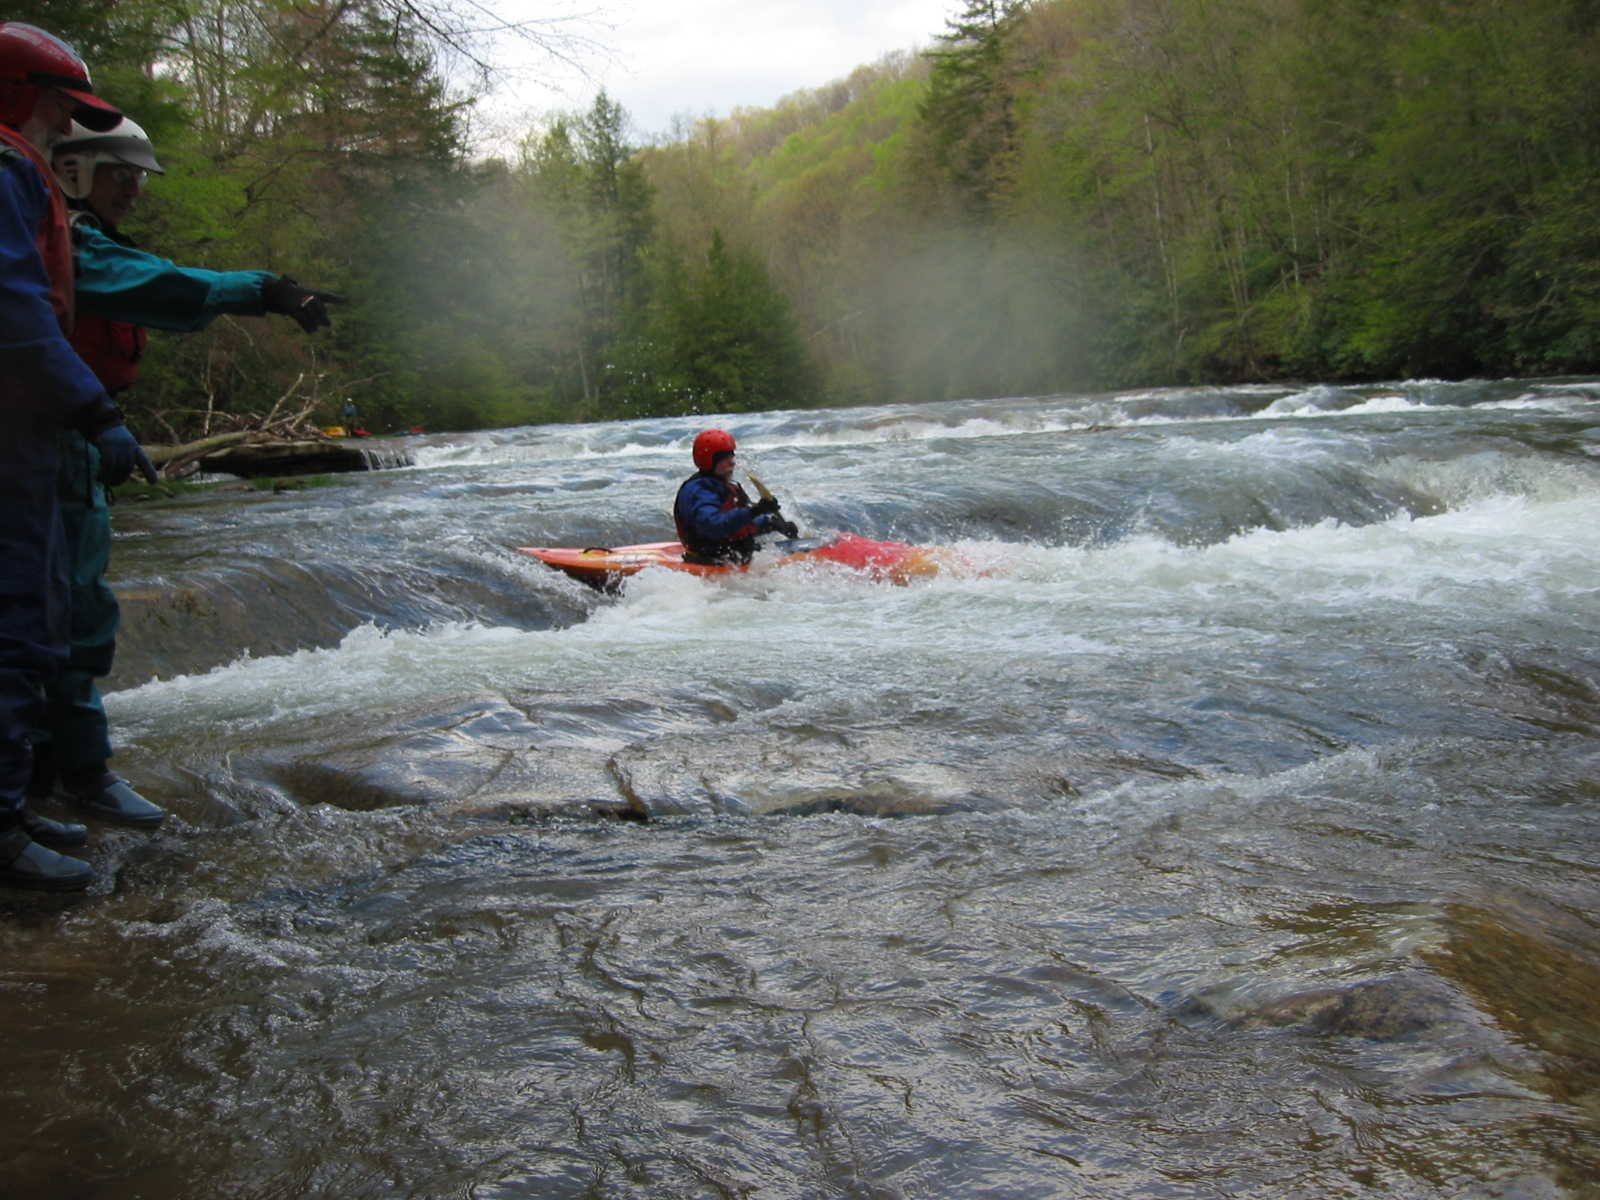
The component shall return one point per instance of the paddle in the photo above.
(766, 494)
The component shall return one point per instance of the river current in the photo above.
(1226, 828)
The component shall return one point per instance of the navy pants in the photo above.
(33, 592)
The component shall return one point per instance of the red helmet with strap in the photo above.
(709, 444)
(32, 60)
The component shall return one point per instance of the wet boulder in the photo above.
(1379, 1009)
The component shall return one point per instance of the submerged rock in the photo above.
(1378, 1009)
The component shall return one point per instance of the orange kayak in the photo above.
(607, 567)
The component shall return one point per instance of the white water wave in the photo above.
(1498, 561)
(859, 428)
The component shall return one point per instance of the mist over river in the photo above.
(1227, 829)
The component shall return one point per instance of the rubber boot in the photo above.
(24, 863)
(58, 835)
(102, 794)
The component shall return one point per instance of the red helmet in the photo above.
(30, 60)
(709, 444)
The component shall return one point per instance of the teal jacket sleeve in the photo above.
(122, 283)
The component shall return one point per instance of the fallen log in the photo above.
(172, 459)
(284, 458)
(245, 454)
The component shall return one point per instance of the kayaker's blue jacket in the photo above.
(714, 520)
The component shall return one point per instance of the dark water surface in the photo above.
(1228, 830)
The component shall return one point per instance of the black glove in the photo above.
(121, 455)
(308, 306)
(788, 528)
(767, 504)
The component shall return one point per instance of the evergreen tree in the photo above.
(1147, 191)
(583, 180)
(717, 337)
(968, 111)
(617, 226)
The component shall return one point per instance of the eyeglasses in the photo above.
(124, 174)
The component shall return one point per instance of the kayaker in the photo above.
(716, 521)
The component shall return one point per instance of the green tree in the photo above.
(1480, 251)
(321, 139)
(717, 336)
(320, 135)
(616, 226)
(582, 182)
(968, 110)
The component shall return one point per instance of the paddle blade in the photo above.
(762, 488)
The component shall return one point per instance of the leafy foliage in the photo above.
(716, 337)
(1055, 194)
(1099, 193)
(968, 109)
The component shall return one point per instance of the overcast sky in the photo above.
(708, 57)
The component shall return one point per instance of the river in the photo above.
(1227, 827)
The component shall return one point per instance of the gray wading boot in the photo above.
(101, 794)
(24, 863)
(58, 835)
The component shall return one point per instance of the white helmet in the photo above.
(77, 155)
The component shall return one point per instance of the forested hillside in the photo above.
(1090, 193)
(1056, 195)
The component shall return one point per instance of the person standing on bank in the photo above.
(716, 521)
(121, 291)
(44, 388)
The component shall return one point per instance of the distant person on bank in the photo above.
(121, 291)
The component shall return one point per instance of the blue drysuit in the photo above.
(714, 520)
(44, 388)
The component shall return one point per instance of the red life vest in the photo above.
(111, 348)
(54, 237)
